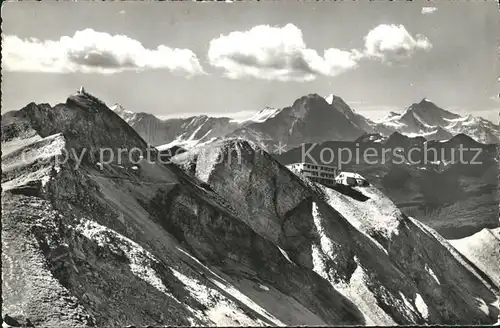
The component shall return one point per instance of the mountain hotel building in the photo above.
(322, 174)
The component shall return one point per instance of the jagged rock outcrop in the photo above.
(83, 120)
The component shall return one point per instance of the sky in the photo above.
(175, 59)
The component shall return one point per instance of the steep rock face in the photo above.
(421, 253)
(420, 118)
(359, 120)
(367, 249)
(309, 119)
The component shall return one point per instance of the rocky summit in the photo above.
(217, 235)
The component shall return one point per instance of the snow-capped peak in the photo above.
(260, 116)
(126, 115)
(265, 114)
(120, 109)
(329, 98)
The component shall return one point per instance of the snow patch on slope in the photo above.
(259, 117)
(231, 290)
(329, 98)
(43, 151)
(482, 249)
(285, 255)
(433, 275)
(221, 311)
(421, 121)
(377, 213)
(421, 306)
(186, 144)
(326, 243)
(364, 299)
(349, 209)
(140, 259)
(355, 289)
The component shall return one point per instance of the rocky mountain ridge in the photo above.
(237, 241)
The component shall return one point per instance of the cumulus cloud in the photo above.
(393, 43)
(276, 53)
(90, 51)
(280, 53)
(428, 10)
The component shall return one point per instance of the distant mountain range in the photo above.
(311, 118)
(434, 123)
